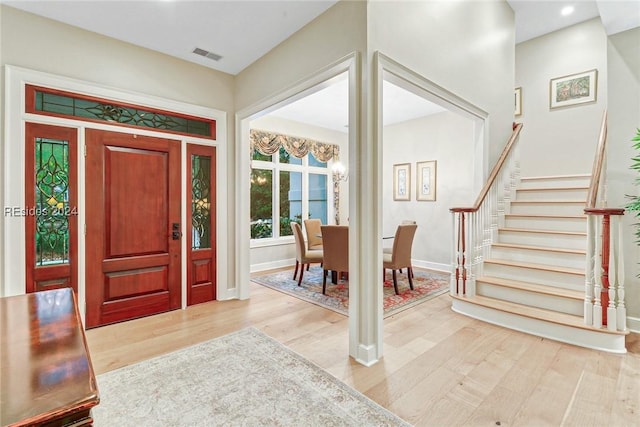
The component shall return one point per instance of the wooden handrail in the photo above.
(494, 172)
(598, 163)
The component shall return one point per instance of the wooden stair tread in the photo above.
(544, 267)
(542, 201)
(533, 287)
(533, 230)
(538, 178)
(535, 313)
(545, 216)
(554, 188)
(539, 248)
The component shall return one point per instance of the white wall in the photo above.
(466, 47)
(447, 138)
(41, 44)
(623, 55)
(274, 255)
(550, 137)
(336, 33)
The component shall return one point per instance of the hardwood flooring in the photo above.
(439, 368)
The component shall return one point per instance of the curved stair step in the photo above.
(540, 248)
(536, 313)
(533, 287)
(544, 267)
(533, 230)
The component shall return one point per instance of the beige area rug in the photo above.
(245, 378)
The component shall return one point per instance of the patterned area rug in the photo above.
(426, 284)
(242, 379)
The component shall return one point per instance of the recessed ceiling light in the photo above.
(567, 10)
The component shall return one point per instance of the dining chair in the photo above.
(388, 250)
(303, 255)
(335, 243)
(314, 237)
(400, 256)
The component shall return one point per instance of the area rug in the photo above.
(426, 284)
(245, 378)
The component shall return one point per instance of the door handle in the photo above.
(176, 234)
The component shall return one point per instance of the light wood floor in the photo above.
(439, 368)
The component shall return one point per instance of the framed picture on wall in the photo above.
(426, 180)
(402, 182)
(518, 101)
(573, 89)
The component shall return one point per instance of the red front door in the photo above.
(133, 249)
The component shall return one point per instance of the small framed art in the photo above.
(573, 89)
(426, 180)
(402, 182)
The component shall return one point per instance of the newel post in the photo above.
(461, 254)
(609, 296)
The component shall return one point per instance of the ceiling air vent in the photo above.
(207, 54)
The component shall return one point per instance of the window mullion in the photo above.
(275, 192)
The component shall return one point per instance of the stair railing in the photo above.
(475, 228)
(604, 303)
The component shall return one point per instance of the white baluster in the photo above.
(589, 281)
(473, 258)
(621, 309)
(597, 275)
(454, 255)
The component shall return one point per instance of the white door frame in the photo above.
(16, 78)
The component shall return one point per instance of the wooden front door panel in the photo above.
(201, 224)
(133, 206)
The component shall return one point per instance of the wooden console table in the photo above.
(46, 376)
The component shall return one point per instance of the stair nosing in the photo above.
(544, 267)
(532, 230)
(550, 201)
(552, 188)
(546, 216)
(564, 319)
(540, 248)
(539, 288)
(533, 178)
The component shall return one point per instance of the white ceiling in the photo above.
(241, 31)
(535, 18)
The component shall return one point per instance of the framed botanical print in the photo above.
(426, 180)
(402, 182)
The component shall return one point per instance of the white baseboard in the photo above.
(254, 268)
(633, 323)
(445, 268)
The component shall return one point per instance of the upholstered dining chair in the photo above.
(389, 250)
(335, 243)
(314, 238)
(303, 255)
(400, 256)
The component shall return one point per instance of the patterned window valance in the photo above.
(268, 143)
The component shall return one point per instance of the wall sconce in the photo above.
(339, 171)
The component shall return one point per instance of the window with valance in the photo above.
(290, 181)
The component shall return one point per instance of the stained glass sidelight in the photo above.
(69, 105)
(201, 201)
(52, 208)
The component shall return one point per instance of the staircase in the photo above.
(532, 277)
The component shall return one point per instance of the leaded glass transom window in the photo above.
(67, 104)
(201, 201)
(52, 208)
